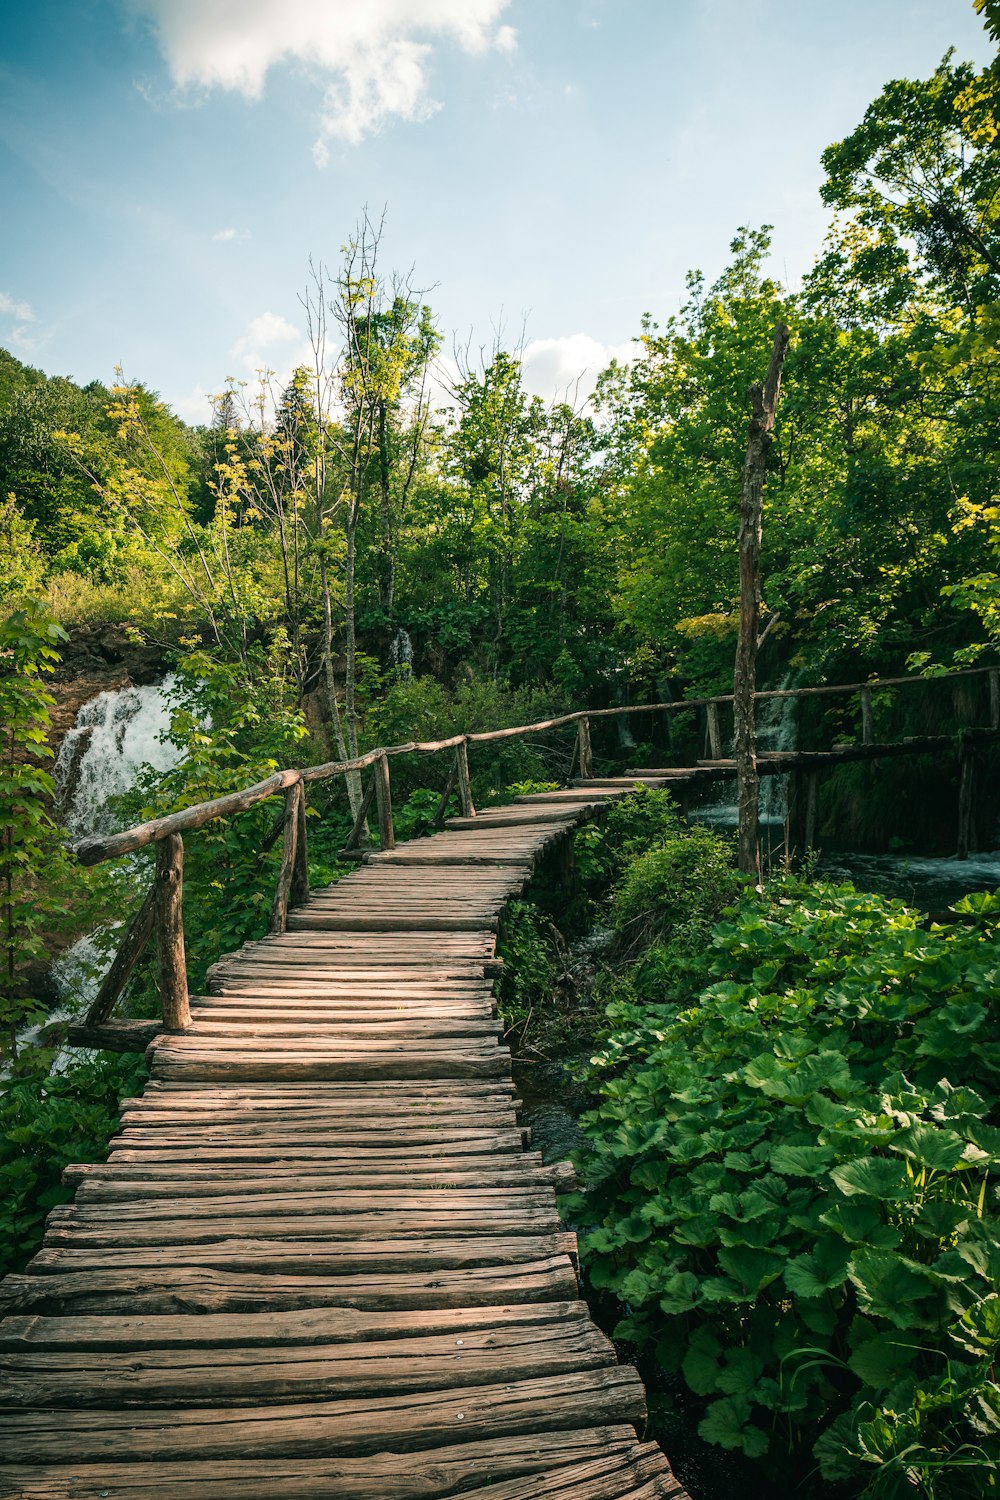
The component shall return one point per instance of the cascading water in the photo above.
(115, 733)
(776, 730)
(401, 653)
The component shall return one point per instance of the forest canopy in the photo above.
(590, 548)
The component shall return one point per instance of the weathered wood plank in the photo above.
(275, 1373)
(305, 1256)
(250, 1330)
(423, 1475)
(131, 1291)
(351, 1425)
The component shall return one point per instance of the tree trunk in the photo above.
(764, 401)
(351, 663)
(387, 581)
(329, 682)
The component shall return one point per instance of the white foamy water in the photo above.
(776, 729)
(115, 733)
(922, 880)
(78, 972)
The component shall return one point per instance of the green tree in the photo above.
(30, 851)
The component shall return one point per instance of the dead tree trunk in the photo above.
(764, 402)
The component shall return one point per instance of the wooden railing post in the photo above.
(170, 933)
(585, 753)
(867, 723)
(383, 796)
(995, 698)
(289, 851)
(966, 776)
(300, 871)
(714, 732)
(812, 800)
(464, 783)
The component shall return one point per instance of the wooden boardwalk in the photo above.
(321, 1259)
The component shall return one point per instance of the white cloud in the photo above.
(567, 368)
(19, 310)
(270, 342)
(196, 408)
(375, 52)
(231, 234)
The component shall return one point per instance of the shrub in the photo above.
(48, 1121)
(789, 1191)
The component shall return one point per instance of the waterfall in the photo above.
(776, 730)
(115, 733)
(401, 653)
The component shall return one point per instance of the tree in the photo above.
(29, 847)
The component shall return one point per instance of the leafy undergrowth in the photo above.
(790, 1175)
(48, 1121)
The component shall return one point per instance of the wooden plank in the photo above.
(352, 1425)
(423, 1475)
(184, 1377)
(133, 1291)
(92, 1228)
(294, 1328)
(305, 1256)
(267, 1204)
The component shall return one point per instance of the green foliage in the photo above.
(790, 1183)
(31, 856)
(421, 708)
(529, 946)
(680, 885)
(21, 564)
(232, 735)
(47, 1122)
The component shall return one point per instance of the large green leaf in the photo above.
(727, 1423)
(818, 1270)
(872, 1177)
(891, 1287)
(802, 1161)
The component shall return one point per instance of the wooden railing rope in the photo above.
(162, 912)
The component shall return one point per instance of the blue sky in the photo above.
(168, 166)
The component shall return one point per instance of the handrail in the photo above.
(92, 851)
(161, 911)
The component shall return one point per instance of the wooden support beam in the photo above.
(714, 732)
(358, 831)
(867, 721)
(793, 816)
(464, 782)
(170, 933)
(300, 869)
(383, 797)
(585, 753)
(966, 804)
(114, 1036)
(442, 807)
(131, 949)
(994, 698)
(289, 850)
(812, 806)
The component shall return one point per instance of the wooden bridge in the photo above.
(322, 1259)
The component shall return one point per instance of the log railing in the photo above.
(161, 911)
